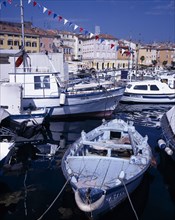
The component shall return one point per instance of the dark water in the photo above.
(33, 189)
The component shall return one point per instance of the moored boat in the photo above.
(167, 123)
(159, 91)
(105, 165)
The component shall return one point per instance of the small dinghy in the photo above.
(105, 165)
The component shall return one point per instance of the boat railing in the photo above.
(32, 69)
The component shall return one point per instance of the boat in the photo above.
(45, 88)
(167, 142)
(5, 148)
(155, 91)
(30, 118)
(105, 165)
(7, 142)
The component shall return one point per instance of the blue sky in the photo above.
(145, 20)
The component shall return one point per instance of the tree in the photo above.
(164, 63)
(142, 58)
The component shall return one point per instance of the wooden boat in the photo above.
(105, 165)
(159, 91)
(167, 123)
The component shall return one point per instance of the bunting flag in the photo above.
(44, 9)
(96, 37)
(55, 15)
(34, 4)
(112, 45)
(101, 40)
(75, 27)
(49, 12)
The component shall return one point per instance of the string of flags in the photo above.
(76, 28)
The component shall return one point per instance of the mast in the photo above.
(22, 24)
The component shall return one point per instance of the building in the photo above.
(99, 52)
(11, 36)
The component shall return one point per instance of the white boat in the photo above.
(35, 117)
(159, 91)
(168, 129)
(44, 87)
(5, 148)
(105, 165)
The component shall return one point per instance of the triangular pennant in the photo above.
(49, 12)
(112, 45)
(96, 37)
(123, 51)
(81, 29)
(91, 35)
(55, 15)
(44, 9)
(4, 3)
(60, 18)
(86, 32)
(29, 1)
(65, 21)
(101, 40)
(75, 26)
(70, 23)
(34, 3)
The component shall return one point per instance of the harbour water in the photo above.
(35, 188)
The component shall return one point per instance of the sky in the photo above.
(147, 21)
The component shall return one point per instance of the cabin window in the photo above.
(154, 88)
(129, 86)
(140, 87)
(41, 82)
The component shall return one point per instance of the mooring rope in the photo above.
(129, 199)
(25, 197)
(54, 200)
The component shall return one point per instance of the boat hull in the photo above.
(148, 98)
(97, 104)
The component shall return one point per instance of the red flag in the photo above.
(96, 37)
(34, 3)
(49, 12)
(81, 29)
(60, 18)
(112, 45)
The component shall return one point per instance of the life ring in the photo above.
(19, 61)
(88, 207)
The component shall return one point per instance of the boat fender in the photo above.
(88, 207)
(62, 98)
(168, 151)
(161, 144)
(121, 175)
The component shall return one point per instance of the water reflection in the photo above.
(33, 178)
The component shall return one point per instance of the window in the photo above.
(1, 41)
(28, 44)
(42, 82)
(34, 44)
(154, 88)
(140, 87)
(10, 42)
(16, 43)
